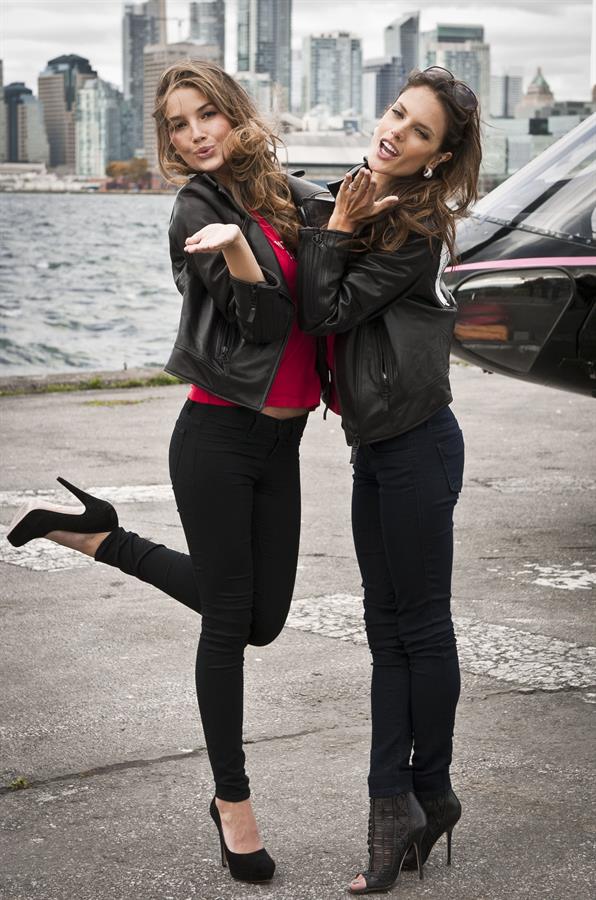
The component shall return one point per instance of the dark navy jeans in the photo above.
(236, 480)
(405, 491)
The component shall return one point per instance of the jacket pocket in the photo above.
(452, 455)
(385, 363)
(225, 341)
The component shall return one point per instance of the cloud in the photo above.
(527, 33)
(554, 35)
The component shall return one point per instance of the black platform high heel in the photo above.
(443, 812)
(395, 824)
(36, 518)
(252, 867)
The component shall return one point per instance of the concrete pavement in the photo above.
(97, 709)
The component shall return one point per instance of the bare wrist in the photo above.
(340, 223)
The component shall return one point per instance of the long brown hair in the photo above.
(257, 180)
(432, 207)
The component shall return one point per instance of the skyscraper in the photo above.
(332, 72)
(537, 96)
(99, 127)
(402, 39)
(260, 88)
(143, 24)
(208, 24)
(382, 80)
(3, 129)
(58, 86)
(505, 93)
(27, 141)
(264, 43)
(462, 50)
(13, 98)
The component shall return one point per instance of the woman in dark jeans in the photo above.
(234, 454)
(373, 278)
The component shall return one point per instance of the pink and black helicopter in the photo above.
(526, 282)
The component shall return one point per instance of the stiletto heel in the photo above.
(396, 826)
(443, 812)
(253, 867)
(418, 850)
(222, 847)
(449, 833)
(36, 518)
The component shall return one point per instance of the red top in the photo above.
(296, 384)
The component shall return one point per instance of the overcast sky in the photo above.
(522, 33)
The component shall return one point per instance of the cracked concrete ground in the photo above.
(97, 708)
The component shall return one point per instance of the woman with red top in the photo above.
(234, 460)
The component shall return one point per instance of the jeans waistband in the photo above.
(245, 418)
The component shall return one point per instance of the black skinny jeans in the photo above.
(405, 491)
(236, 480)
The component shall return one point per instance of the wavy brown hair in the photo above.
(432, 207)
(250, 150)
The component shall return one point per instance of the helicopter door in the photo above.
(507, 316)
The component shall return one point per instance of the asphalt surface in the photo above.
(98, 715)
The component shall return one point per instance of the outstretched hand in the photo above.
(212, 238)
(355, 202)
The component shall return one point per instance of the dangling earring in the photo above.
(428, 172)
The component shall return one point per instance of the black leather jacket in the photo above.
(232, 334)
(394, 322)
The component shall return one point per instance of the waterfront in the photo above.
(85, 282)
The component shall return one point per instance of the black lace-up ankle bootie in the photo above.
(443, 812)
(395, 824)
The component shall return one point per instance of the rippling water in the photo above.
(85, 282)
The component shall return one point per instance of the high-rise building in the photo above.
(33, 144)
(537, 96)
(99, 127)
(260, 87)
(382, 80)
(462, 50)
(208, 24)
(332, 72)
(58, 86)
(13, 97)
(3, 128)
(156, 61)
(505, 93)
(402, 38)
(264, 43)
(27, 141)
(296, 92)
(143, 24)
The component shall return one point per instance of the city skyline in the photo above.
(554, 36)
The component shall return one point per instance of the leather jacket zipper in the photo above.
(253, 291)
(385, 368)
(358, 348)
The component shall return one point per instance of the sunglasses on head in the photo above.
(461, 93)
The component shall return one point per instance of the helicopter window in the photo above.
(555, 193)
(507, 317)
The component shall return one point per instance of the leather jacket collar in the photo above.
(334, 186)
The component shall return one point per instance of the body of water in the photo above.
(85, 282)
